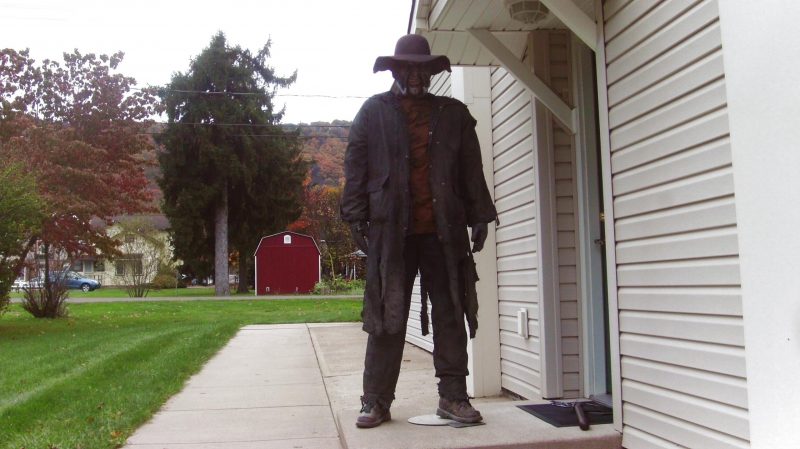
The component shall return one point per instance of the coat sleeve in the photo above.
(355, 200)
(478, 201)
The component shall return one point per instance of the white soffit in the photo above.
(445, 22)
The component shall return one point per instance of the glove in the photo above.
(479, 233)
(359, 231)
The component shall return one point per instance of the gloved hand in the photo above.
(479, 233)
(359, 230)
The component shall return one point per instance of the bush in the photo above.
(339, 286)
(47, 301)
(163, 281)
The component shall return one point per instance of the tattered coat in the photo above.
(377, 191)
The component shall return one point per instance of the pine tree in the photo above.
(228, 167)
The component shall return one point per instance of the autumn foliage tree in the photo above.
(80, 128)
(320, 219)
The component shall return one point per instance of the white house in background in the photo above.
(644, 161)
(137, 254)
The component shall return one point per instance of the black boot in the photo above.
(372, 415)
(458, 410)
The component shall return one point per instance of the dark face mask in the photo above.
(412, 80)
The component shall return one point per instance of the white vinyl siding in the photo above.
(680, 313)
(517, 257)
(413, 328)
(440, 85)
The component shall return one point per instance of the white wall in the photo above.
(761, 52)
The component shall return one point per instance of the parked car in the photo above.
(19, 284)
(71, 279)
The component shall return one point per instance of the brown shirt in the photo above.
(418, 116)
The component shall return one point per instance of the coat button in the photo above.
(434, 200)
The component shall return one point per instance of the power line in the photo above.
(312, 136)
(253, 124)
(260, 94)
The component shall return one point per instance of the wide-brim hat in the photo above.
(413, 48)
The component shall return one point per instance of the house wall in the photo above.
(681, 335)
(517, 243)
(108, 277)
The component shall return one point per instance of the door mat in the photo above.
(562, 414)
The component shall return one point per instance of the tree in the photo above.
(320, 219)
(227, 164)
(80, 128)
(144, 254)
(21, 210)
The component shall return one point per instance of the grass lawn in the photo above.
(115, 292)
(89, 380)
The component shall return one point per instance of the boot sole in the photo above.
(365, 425)
(447, 415)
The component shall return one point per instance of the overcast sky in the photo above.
(332, 44)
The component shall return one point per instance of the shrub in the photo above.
(163, 281)
(339, 286)
(49, 301)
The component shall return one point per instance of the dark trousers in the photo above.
(384, 356)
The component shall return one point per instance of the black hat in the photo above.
(412, 48)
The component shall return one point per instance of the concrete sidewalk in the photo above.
(297, 386)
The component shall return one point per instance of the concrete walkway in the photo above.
(297, 386)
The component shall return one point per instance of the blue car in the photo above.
(71, 279)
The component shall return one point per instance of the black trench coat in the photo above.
(377, 191)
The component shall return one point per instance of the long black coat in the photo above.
(377, 191)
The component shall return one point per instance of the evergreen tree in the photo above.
(228, 167)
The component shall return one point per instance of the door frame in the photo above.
(590, 258)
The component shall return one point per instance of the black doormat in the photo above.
(562, 414)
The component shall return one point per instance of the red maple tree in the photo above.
(81, 129)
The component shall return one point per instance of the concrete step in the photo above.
(506, 427)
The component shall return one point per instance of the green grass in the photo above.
(115, 292)
(89, 380)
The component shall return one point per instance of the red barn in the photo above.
(287, 262)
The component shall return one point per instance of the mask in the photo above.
(412, 80)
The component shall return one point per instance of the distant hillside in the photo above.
(324, 145)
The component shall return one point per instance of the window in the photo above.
(287, 239)
(77, 265)
(99, 265)
(88, 266)
(129, 264)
